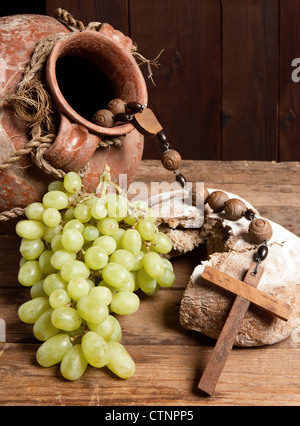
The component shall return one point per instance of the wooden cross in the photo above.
(246, 292)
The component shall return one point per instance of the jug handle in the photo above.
(73, 146)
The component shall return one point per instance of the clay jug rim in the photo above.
(93, 39)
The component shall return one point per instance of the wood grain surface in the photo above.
(169, 359)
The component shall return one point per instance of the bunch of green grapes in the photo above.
(84, 256)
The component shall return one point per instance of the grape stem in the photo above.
(105, 181)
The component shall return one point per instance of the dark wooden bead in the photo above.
(123, 117)
(260, 231)
(181, 179)
(104, 118)
(134, 107)
(162, 137)
(249, 214)
(117, 106)
(234, 208)
(262, 253)
(171, 160)
(216, 201)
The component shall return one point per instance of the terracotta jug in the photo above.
(83, 73)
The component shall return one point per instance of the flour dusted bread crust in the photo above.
(205, 307)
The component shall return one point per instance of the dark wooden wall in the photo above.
(223, 89)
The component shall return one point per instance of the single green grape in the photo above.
(53, 350)
(72, 182)
(147, 229)
(124, 258)
(98, 210)
(51, 217)
(168, 264)
(77, 288)
(138, 262)
(68, 214)
(82, 212)
(162, 243)
(96, 257)
(30, 311)
(146, 283)
(106, 242)
(116, 275)
(118, 238)
(45, 262)
(31, 249)
(43, 328)
(104, 328)
(73, 364)
(50, 233)
(132, 241)
(153, 265)
(59, 298)
(90, 233)
(120, 362)
(56, 243)
(53, 282)
(35, 211)
(125, 303)
(95, 349)
(56, 199)
(30, 273)
(74, 269)
(92, 309)
(74, 224)
(61, 257)
(56, 185)
(66, 318)
(167, 279)
(103, 293)
(30, 229)
(108, 226)
(72, 240)
(37, 290)
(116, 335)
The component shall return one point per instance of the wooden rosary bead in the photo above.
(123, 117)
(259, 231)
(199, 196)
(134, 107)
(262, 253)
(181, 179)
(171, 160)
(234, 208)
(162, 137)
(249, 214)
(216, 201)
(104, 118)
(117, 106)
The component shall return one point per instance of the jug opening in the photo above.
(92, 70)
(83, 85)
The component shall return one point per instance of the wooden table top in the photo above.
(169, 359)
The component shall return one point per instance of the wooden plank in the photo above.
(187, 95)
(263, 300)
(165, 376)
(114, 12)
(289, 91)
(250, 79)
(227, 337)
